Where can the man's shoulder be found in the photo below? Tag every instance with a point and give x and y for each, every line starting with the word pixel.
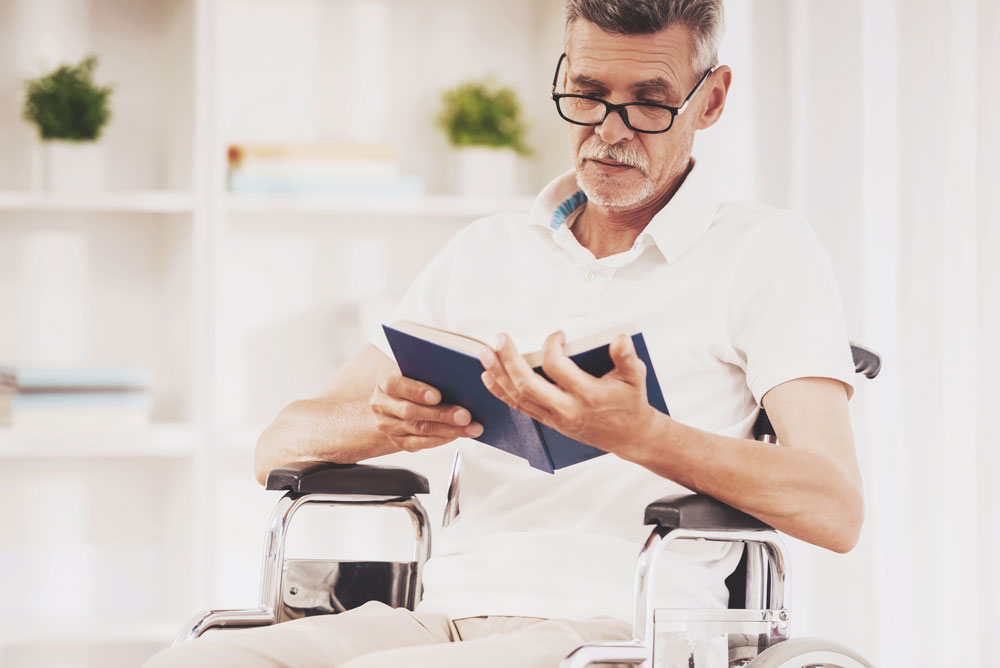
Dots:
pixel 760 226
pixel 763 240
pixel 752 215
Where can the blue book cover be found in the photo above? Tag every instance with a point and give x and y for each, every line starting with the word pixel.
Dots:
pixel 450 362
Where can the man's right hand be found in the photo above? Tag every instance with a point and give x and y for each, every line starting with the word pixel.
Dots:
pixel 407 412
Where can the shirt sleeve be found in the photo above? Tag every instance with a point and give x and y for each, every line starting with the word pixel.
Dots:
pixel 425 299
pixel 786 317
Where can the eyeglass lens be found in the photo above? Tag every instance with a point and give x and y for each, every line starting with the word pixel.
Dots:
pixel 640 117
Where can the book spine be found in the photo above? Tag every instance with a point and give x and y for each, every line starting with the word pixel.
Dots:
pixel 528 431
pixel 311 151
pixel 78 400
pixel 81 410
pixel 96 378
pixel 305 169
pixel 545 445
pixel 5 409
pixel 403 185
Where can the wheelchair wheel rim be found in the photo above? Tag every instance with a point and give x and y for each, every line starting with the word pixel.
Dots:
pixel 820 658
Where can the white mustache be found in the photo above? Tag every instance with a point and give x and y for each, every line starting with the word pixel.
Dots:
pixel 626 154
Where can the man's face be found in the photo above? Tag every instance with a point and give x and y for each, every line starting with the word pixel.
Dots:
pixel 617 167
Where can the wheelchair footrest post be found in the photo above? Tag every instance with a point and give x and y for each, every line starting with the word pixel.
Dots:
pixel 715 636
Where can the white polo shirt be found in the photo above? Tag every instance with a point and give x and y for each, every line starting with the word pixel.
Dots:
pixel 732 299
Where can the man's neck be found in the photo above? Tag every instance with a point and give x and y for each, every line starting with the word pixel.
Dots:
pixel 608 231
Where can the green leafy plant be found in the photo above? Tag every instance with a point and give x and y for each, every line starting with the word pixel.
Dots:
pixel 67 104
pixel 480 113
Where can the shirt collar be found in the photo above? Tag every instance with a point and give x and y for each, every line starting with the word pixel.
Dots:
pixel 674 229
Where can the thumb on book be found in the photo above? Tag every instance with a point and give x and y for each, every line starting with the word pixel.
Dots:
pixel 623 353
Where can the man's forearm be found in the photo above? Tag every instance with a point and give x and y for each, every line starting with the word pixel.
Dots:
pixel 317 429
pixel 799 492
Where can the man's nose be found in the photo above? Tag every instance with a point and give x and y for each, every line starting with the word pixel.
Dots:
pixel 613 129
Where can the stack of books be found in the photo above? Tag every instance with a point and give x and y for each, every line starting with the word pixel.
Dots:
pixel 326 167
pixel 81 398
pixel 8 388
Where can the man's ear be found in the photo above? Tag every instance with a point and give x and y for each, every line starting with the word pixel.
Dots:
pixel 717 88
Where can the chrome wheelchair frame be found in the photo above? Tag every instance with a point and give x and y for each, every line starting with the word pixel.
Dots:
pixel 757 634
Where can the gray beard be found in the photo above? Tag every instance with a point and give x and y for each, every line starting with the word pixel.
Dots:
pixel 619 199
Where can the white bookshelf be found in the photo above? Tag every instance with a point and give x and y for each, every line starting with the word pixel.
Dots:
pixel 149 201
pixel 155 441
pixel 236 304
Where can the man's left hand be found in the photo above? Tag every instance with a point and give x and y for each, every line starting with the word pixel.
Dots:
pixel 611 412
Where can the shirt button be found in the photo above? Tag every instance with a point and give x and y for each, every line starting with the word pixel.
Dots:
pixel 589 276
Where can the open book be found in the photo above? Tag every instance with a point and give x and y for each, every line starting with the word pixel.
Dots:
pixel 450 362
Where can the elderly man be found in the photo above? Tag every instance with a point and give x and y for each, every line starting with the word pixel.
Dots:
pixel 738 307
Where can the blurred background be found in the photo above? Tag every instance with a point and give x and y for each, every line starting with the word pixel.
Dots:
pixel 270 175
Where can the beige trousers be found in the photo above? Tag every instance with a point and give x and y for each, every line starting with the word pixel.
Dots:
pixel 377 636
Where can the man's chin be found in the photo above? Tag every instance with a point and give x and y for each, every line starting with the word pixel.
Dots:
pixel 619 192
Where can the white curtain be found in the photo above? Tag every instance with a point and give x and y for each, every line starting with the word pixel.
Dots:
pixel 879 120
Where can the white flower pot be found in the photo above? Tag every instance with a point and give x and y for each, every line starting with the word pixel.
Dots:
pixel 71 166
pixel 488 172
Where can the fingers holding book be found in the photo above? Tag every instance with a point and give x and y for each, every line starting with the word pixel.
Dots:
pixel 408 413
pixel 510 379
pixel 561 369
pixel 611 412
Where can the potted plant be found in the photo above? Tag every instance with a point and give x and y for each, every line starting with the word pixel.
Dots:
pixel 483 121
pixel 70 111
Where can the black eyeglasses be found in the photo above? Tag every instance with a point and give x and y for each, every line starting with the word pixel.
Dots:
pixel 647 117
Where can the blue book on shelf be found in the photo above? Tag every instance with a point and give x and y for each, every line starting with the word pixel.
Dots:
pixel 450 362
pixel 97 378
pixel 57 401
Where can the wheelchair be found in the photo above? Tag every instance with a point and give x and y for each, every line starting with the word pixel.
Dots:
pixel 752 633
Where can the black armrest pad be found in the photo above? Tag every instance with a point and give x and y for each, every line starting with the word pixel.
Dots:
pixel 697 511
pixel 762 426
pixel 327 478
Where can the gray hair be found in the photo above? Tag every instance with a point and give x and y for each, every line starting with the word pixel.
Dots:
pixel 704 18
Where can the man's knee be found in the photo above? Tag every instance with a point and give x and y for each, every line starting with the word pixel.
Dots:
pixel 327 640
